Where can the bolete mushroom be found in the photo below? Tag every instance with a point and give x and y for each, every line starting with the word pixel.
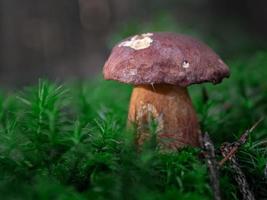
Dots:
pixel 161 66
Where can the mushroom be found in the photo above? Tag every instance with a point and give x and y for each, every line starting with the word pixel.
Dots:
pixel 161 66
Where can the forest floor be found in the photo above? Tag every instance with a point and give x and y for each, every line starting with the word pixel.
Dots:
pixel 69 141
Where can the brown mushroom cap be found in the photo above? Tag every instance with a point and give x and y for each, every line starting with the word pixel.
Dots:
pixel 168 58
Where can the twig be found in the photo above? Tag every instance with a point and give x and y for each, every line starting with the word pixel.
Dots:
pixel 239 176
pixel 265 171
pixel 212 164
pixel 242 140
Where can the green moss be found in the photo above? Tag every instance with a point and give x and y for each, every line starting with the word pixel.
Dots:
pixel 70 142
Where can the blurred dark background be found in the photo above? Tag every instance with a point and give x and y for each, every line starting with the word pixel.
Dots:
pixel 62 39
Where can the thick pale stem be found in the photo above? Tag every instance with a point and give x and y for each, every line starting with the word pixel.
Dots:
pixel 171 107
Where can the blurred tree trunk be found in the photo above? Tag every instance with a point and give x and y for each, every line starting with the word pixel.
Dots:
pixel 10 46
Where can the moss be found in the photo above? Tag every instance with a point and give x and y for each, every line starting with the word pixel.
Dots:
pixel 70 142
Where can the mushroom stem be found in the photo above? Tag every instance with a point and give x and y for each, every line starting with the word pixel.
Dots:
pixel 171 108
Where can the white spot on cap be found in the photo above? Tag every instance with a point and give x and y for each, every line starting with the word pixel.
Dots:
pixel 138 42
pixel 185 64
pixel 147 34
pixel 132 72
